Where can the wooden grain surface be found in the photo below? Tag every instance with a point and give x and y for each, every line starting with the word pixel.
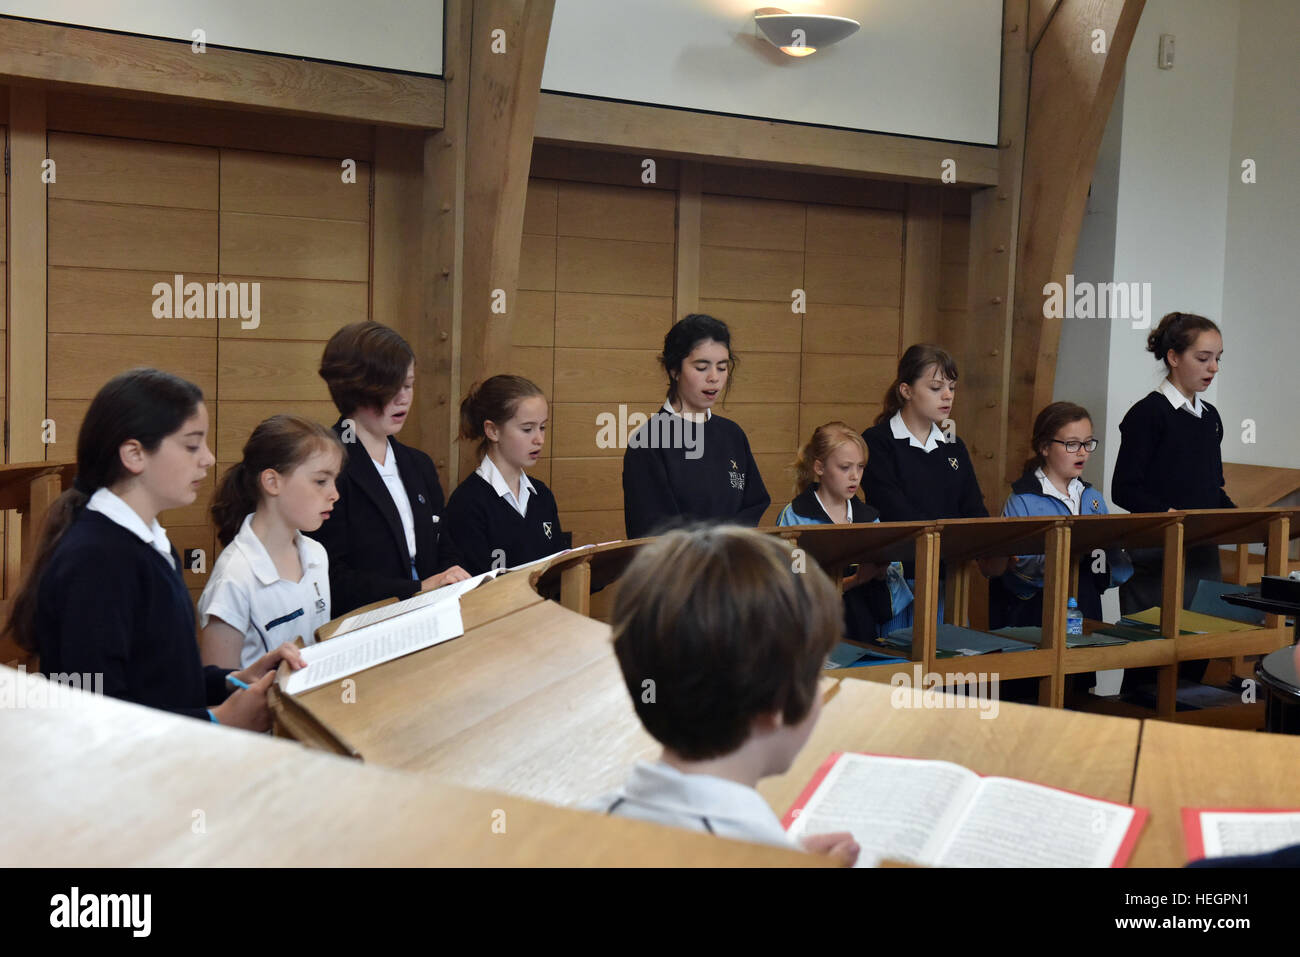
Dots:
pixel 99 782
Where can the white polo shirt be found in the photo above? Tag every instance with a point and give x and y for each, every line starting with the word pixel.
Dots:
pixel 900 431
pixel 660 793
pixel 1178 400
pixel 393 481
pixel 248 594
pixel 1072 500
pixel 489 472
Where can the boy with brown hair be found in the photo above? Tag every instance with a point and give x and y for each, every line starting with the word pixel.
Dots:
pixel 721 644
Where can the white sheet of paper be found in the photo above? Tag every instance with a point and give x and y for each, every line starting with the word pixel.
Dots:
pixel 422 600
pixel 376 643
pixel 1229 833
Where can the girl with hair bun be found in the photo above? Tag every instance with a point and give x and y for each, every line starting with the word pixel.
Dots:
pixel 828 474
pixel 271 583
pixel 686 464
pixel 1169 455
pixel 104 594
pixel 499 517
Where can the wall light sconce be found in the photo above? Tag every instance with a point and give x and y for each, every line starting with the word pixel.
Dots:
pixel 798 34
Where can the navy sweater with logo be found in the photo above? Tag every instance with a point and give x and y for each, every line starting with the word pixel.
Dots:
pixel 909 484
pixel 109 603
pixel 487 531
pixel 664 487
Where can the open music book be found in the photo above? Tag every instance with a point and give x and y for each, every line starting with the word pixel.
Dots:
pixel 1229 832
pixel 943 815
pixel 383 639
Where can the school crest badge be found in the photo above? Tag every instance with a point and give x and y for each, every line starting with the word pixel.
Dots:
pixel 546 529
pixel 1096 505
pixel 952 460
pixel 737 479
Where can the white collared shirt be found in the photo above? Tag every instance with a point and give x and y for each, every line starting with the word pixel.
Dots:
pixel 1072 501
pixel 660 793
pixel 668 407
pixel 393 480
pixel 487 469
pixel 848 517
pixel 245 591
pixel 112 506
pixel 901 431
pixel 1178 400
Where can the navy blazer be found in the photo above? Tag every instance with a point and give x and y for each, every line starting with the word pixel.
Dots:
pixel 364 536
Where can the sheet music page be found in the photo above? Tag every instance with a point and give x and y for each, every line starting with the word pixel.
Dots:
pixel 899 808
pixel 422 600
pixel 1229 833
pixel 1017 824
pixel 373 645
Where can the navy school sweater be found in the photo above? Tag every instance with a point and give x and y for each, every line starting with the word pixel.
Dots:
pixel 907 484
pixel 1168 458
pixel 677 471
pixel 480 522
pixel 108 603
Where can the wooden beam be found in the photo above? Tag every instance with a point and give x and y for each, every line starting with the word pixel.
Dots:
pixel 438 341
pixel 922 225
pixel 982 343
pixel 396 227
pixel 686 279
pixel 1070 96
pixel 1040 15
pixel 736 139
pixel 504 88
pixel 148 68
pixel 25 384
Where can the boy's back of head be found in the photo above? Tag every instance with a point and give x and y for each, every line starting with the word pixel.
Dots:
pixel 714 628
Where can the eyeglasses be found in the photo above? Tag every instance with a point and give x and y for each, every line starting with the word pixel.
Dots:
pixel 1074 445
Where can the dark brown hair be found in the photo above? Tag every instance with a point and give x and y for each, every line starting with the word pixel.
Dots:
pixel 825 440
pixel 725 628
pixel 143 404
pixel 364 365
pixel 683 337
pixel 495 400
pixel 912 366
pixel 1177 331
pixel 282 442
pixel 1051 420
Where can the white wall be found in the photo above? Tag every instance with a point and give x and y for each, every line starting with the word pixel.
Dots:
pixel 391 34
pixel 926 68
pixel 1172 198
pixel 1261 317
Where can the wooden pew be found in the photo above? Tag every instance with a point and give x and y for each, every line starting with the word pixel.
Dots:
pixel 101 783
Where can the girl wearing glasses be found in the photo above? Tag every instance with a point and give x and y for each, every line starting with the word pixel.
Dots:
pixel 1052 485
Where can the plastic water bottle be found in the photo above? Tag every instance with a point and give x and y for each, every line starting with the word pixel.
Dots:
pixel 1073 619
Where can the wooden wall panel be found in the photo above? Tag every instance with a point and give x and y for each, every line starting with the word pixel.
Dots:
pixel 127 213
pixel 602 265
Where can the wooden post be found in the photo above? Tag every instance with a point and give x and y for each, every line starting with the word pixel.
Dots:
pixel 926 599
pixel 1171 613
pixel 1056 576
pixel 575 587
pixel 1275 559
pixel 686 284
